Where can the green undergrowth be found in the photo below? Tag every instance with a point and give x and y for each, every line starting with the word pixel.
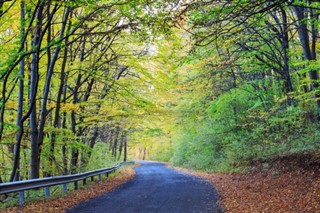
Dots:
pixel 234 131
pixel 234 156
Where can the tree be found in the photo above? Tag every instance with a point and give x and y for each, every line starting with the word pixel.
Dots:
pixel 307 17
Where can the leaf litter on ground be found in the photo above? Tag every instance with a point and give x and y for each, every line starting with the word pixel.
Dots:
pixel 283 184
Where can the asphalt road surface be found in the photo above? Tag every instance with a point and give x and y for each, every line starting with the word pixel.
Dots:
pixel 156 188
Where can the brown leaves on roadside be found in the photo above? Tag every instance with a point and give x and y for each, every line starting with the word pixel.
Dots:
pixel 289 184
pixel 60 204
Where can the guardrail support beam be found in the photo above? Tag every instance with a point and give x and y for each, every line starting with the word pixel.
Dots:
pixel 75 185
pixel 65 189
pixel 99 175
pixel 47 191
pixel 21 195
pixel 84 181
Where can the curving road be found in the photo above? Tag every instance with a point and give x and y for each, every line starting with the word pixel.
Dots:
pixel 156 188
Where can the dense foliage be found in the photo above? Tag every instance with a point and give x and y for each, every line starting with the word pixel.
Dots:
pixel 251 84
pixel 73 82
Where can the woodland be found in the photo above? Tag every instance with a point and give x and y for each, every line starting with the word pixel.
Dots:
pixel 209 85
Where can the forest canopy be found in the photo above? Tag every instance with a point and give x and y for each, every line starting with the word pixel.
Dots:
pixel 210 85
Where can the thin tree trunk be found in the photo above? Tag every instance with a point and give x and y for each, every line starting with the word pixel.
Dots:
pixel 74 151
pixel 125 149
pixel 121 145
pixel 92 142
pixel 46 89
pixel 56 121
pixel 115 142
pixel 64 126
pixel 58 103
pixel 285 58
pixel 144 153
pixel 81 130
pixel 111 136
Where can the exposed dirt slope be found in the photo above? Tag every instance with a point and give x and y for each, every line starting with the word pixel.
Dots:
pixel 283 184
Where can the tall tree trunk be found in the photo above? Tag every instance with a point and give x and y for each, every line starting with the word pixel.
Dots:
pixel 34 78
pixel 285 58
pixel 50 70
pixel 74 151
pixel 64 126
pixel 304 38
pixel 60 91
pixel 56 121
pixel 20 133
pixel 21 86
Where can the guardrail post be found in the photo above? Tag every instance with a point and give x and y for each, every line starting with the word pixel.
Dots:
pixel 107 174
pixel 84 181
pixel 99 175
pixel 65 189
pixel 21 193
pixel 75 185
pixel 47 191
pixel 92 178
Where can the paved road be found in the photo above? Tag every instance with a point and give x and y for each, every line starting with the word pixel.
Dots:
pixel 156 188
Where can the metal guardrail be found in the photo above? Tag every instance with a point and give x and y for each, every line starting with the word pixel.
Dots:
pixel 21 186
